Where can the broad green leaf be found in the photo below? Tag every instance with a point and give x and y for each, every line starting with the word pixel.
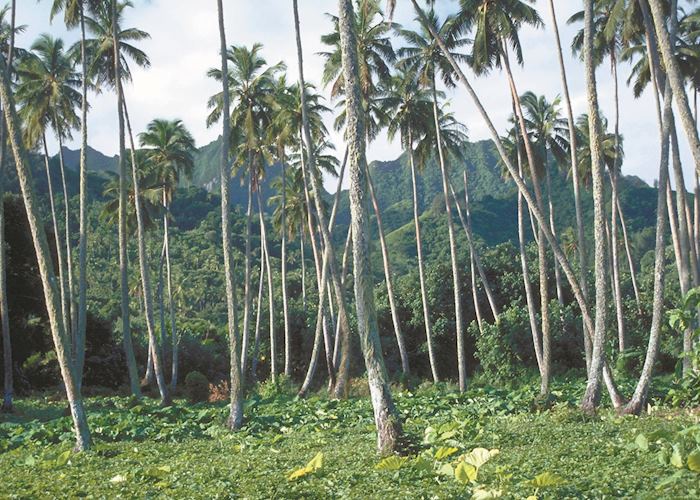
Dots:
pixel 694 461
pixel 315 464
pixel 484 494
pixel 676 458
pixel 465 473
pixel 391 463
pixel 546 480
pixel 63 458
pixel 444 452
pixel 642 442
pixel 479 456
pixel 446 470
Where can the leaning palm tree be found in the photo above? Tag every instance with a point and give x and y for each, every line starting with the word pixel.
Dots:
pixel 386 417
pixel 48 96
pixel 52 299
pixel 109 49
pixel 424 57
pixel 8 30
pixel 170 152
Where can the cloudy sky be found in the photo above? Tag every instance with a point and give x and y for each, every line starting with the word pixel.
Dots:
pixel 184 44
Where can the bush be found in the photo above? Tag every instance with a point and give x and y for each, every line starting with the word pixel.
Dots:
pixel 196 387
pixel 496 346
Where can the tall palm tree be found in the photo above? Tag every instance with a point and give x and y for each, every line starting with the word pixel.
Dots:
pixel 74 13
pixel 522 188
pixel 7 46
pixel 386 417
pixel 170 152
pixel 48 96
pixel 109 50
pixel 51 293
pixel 425 58
pixel 409 107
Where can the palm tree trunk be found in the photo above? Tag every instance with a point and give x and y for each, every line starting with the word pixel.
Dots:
pixel 421 266
pixel 475 294
pixel 329 255
pixel 46 270
pixel 161 302
pixel 65 314
pixel 123 236
pixel 69 252
pixel 258 316
pixel 615 263
pixel 285 305
pixel 235 420
pixel 665 41
pixel 553 228
pixel 247 291
pixel 175 338
pixel 459 320
pixel 615 396
pixel 580 238
pixel 270 290
pixel 628 251
pixel 83 223
pixel 386 417
pixel 8 372
pixel 145 270
pixel 400 341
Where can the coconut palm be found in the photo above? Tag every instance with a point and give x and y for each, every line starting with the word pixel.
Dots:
pixel 109 49
pixel 170 148
pixel 48 96
pixel 385 415
pixel 7 46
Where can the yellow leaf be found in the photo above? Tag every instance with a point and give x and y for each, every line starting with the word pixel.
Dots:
pixel 315 464
pixel 465 473
pixel 479 456
pixel 444 452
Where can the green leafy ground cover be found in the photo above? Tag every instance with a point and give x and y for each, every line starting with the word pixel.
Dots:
pixel 483 444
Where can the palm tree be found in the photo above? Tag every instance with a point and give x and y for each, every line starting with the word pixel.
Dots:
pixel 425 58
pixel 235 420
pixel 250 83
pixel 74 15
pixel 170 149
pixel 522 188
pixel 48 278
pixel 385 415
pixel 409 107
pixel 7 46
pixel 48 98
pixel 109 50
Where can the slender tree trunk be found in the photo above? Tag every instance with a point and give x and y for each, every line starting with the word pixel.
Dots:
pixel 580 238
pixel 459 318
pixel 258 315
pixel 285 305
pixel 63 282
pixel 270 290
pixel 421 266
pixel 475 294
pixel 329 255
pixel 46 270
pixel 70 299
pixel 628 251
pixel 553 228
pixel 403 353
pixel 615 263
pixel 145 270
pixel 247 291
pixel 161 305
pixel 592 394
pixel 175 338
pixel 123 236
pixel 386 417
pixel 81 331
pixel 615 396
pixel 235 420
pixel 303 269
pixel 8 372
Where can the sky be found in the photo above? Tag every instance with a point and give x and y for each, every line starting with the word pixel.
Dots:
pixel 184 44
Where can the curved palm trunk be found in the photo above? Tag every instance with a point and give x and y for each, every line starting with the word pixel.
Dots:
pixel 400 341
pixel 459 319
pixel 615 264
pixel 580 238
pixel 235 420
pixel 145 271
pixel 386 417
pixel 270 290
pixel 65 311
pixel 123 236
pixel 303 269
pixel 628 252
pixel 285 305
pixel 258 315
pixel 343 276
pixel 475 294
pixel 69 251
pixel 8 372
pixel 247 291
pixel 615 396
pixel 48 278
pixel 540 239
pixel 421 268
pixel 329 255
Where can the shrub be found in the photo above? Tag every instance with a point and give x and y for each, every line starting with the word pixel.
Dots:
pixel 196 387
pixel 496 346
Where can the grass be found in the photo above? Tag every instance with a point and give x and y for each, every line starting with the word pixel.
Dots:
pixel 142 450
